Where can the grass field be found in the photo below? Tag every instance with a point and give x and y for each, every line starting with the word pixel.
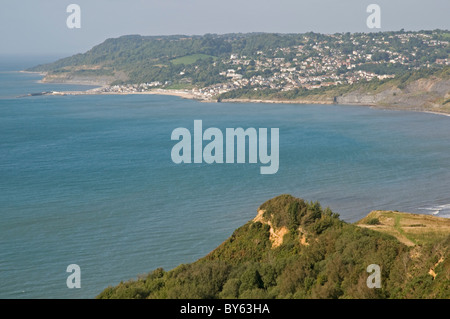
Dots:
pixel 179 86
pixel 410 229
pixel 189 59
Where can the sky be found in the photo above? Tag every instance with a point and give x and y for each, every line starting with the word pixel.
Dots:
pixel 38 27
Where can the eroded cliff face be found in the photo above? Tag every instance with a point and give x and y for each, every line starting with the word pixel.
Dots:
pixel 74 77
pixel 428 94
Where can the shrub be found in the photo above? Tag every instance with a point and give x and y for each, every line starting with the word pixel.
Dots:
pixel 373 221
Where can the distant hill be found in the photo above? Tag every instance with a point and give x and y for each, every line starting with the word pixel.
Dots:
pixel 387 69
pixel 135 59
pixel 297 249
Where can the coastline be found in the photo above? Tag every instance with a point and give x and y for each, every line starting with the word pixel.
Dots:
pixel 238 100
pixel 437 113
pixel 188 94
pixel 182 94
pixel 325 102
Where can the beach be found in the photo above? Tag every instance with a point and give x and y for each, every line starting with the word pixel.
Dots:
pixel 183 94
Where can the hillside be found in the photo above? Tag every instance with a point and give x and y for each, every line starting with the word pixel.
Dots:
pixel 387 69
pixel 296 249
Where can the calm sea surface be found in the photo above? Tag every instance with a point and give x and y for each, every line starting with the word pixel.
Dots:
pixel 89 180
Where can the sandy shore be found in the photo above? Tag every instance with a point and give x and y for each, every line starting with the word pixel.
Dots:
pixel 183 94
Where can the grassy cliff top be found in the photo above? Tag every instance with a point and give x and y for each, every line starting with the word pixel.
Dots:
pixel 410 229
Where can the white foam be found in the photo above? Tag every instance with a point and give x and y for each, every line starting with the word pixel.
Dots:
pixel 442 210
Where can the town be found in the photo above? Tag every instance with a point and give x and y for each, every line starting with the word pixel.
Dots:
pixel 210 67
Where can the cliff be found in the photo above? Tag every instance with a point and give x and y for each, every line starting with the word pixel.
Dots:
pixel 296 249
pixel 426 94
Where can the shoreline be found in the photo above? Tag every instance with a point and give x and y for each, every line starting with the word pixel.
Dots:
pixel 178 93
pixel 239 100
pixel 191 96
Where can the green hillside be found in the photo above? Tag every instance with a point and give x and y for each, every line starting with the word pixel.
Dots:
pixel 402 69
pixel 296 249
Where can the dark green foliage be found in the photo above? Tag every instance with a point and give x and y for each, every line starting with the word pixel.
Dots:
pixel 383 68
pixel 284 210
pixel 373 221
pixel 332 264
pixel 380 56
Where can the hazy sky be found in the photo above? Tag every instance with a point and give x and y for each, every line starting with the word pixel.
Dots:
pixel 38 27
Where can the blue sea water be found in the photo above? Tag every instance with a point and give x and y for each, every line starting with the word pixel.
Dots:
pixel 89 180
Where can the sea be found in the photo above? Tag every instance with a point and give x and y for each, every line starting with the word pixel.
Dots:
pixel 89 179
